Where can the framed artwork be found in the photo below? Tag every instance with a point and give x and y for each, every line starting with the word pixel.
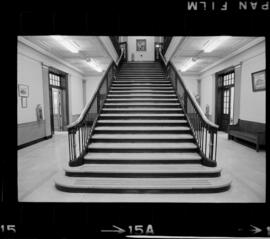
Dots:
pixel 23 90
pixel 24 102
pixel 258 80
pixel 141 45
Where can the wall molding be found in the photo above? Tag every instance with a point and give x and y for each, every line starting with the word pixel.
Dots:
pixel 48 54
pixel 237 52
pixel 173 47
pixel 107 44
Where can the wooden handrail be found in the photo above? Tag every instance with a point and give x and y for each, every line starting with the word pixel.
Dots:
pixel 90 102
pixel 192 98
pixel 198 108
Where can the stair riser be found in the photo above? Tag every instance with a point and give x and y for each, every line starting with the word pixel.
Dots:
pixel 157 111
pixel 142 140
pixel 154 92
pixel 153 191
pixel 142 124
pixel 141 106
pixel 141 97
pixel 165 117
pixel 145 161
pixel 141 101
pixel 130 150
pixel 142 131
pixel 142 175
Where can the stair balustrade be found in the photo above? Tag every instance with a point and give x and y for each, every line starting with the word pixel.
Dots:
pixel 204 131
pixel 81 130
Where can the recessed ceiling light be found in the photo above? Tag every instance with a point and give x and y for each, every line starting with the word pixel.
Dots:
pixel 215 42
pixel 189 63
pixel 91 62
pixel 68 44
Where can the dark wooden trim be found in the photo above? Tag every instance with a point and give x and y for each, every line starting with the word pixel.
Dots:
pixel 33 142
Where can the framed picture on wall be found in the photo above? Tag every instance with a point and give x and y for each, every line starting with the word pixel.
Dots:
pixel 141 45
pixel 258 80
pixel 23 90
pixel 24 102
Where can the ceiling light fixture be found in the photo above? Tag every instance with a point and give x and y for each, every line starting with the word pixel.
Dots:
pixel 215 42
pixel 191 62
pixel 91 62
pixel 68 44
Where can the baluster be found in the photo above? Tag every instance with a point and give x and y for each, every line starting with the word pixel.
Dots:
pixel 205 141
pixel 216 147
pixel 211 146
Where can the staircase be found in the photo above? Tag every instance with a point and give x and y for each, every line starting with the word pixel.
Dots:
pixel 142 142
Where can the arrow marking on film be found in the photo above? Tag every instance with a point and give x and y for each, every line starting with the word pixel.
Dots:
pixel 255 230
pixel 117 229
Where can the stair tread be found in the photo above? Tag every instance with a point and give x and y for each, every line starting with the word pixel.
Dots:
pixel 141 128
pixel 142 156
pixel 142 136
pixel 142 109
pixel 144 168
pixel 141 121
pixel 141 183
pixel 129 99
pixel 141 114
pixel 142 145
pixel 142 103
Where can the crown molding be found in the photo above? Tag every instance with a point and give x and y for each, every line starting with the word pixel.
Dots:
pixel 48 54
pixel 240 50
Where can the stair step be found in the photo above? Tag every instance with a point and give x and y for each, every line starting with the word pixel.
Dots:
pixel 128 121
pixel 141 100
pixel 120 82
pixel 141 115
pixel 143 157
pixel 115 84
pixel 142 104
pixel 142 170
pixel 142 146
pixel 143 136
pixel 141 185
pixel 168 88
pixel 142 109
pixel 141 95
pixel 142 128
pixel 142 91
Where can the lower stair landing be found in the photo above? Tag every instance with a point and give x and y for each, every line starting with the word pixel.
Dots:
pixel 142 185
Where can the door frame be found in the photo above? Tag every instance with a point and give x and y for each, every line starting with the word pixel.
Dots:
pixel 217 75
pixel 64 90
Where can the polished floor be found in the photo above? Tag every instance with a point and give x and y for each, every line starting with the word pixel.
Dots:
pixel 39 164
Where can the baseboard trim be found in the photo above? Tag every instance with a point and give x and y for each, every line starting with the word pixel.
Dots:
pixel 33 142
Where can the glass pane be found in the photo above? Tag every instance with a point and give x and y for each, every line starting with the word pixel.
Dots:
pixel 231 106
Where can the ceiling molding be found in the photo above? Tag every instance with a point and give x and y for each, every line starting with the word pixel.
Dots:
pixel 173 47
pixel 48 54
pixel 240 50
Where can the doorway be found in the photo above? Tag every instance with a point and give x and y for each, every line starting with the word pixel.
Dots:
pixel 58 102
pixel 225 99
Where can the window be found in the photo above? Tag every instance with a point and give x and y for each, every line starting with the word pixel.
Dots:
pixel 226 101
pixel 54 80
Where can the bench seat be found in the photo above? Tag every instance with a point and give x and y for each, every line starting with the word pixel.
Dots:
pixel 253 132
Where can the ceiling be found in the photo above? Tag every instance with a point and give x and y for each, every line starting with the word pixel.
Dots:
pixel 90 46
pixel 193 46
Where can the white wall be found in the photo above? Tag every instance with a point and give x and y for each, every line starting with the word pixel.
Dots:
pixel 191 83
pixel 76 91
pixel 148 55
pixel 91 86
pixel 29 72
pixel 252 104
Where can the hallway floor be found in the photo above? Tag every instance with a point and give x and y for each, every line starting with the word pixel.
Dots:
pixel 38 165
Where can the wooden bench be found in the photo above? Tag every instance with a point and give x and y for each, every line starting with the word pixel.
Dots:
pixel 253 132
